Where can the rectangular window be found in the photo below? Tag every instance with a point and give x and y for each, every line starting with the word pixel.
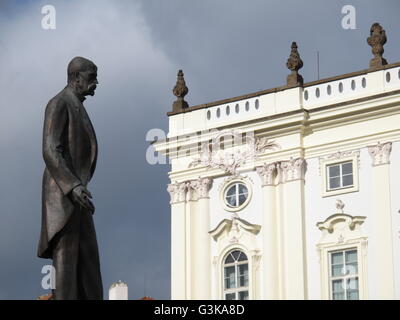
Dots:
pixel 344 275
pixel 340 175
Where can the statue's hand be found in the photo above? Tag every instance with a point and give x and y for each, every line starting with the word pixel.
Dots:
pixel 81 196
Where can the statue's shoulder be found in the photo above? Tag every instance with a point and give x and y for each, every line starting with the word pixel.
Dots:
pixel 59 101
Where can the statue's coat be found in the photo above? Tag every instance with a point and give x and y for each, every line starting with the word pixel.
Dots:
pixel 70 154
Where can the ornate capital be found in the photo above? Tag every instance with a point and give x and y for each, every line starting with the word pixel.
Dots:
pixel 380 153
pixel 294 63
pixel 177 191
pixel 267 173
pixel 293 169
pixel 180 91
pixel 376 40
pixel 199 188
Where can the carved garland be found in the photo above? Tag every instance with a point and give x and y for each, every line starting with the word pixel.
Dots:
pixel 230 161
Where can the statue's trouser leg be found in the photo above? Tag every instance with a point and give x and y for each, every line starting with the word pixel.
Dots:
pixel 65 259
pixel 90 285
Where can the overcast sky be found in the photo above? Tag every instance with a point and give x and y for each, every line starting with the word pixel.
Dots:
pixel 226 48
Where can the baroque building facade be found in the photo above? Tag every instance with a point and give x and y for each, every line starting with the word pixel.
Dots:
pixel 291 192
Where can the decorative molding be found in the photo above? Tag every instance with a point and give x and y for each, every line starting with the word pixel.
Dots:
pixel 294 63
pixel 199 189
pixel 233 228
pixel 340 155
pixel 255 259
pixel 180 91
pixel 267 173
pixel 177 191
pixel 339 205
pixel 213 156
pixel 380 153
pixel 376 40
pixel 329 225
pixel 291 170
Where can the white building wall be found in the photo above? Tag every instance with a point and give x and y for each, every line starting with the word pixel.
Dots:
pixel 327 135
pixel 319 208
pixel 395 196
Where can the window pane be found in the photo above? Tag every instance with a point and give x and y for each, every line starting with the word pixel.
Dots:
pixel 352 289
pixel 352 284
pixel 243 275
pixel 347 168
pixel 337 258
pixel 352 268
pixel 230 277
pixel 242 198
pixel 351 256
pixel 337 264
pixel 231 191
pixel 352 295
pixel 243 295
pixel 231 200
pixel 229 259
pixel 230 296
pixel 338 296
pixel 236 254
pixel 337 270
pixel 242 257
pixel 242 189
pixel 348 180
pixel 337 290
pixel 334 183
pixel 334 171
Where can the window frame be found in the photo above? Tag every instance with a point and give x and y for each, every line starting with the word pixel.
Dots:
pixel 324 257
pixel 326 163
pixel 342 277
pixel 236 290
pixel 227 186
pixel 236 194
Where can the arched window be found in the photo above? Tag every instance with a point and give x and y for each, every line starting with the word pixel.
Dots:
pixel 236 276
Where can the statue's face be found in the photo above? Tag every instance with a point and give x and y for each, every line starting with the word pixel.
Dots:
pixel 88 82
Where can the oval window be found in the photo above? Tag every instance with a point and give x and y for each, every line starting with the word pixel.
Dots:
pixel 387 76
pixel 236 195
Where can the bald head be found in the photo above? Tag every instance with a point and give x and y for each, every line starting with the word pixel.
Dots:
pixel 79 64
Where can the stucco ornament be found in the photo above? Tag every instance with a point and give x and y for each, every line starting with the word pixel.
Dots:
pixel 380 153
pixel 217 155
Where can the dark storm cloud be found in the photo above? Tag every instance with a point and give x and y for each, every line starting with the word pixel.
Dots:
pixel 226 48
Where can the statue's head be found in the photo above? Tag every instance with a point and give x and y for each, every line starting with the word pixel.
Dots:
pixel 82 76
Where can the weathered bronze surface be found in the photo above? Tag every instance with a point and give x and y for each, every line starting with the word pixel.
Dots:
pixel 70 152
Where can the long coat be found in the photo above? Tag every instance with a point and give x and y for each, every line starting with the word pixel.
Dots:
pixel 70 154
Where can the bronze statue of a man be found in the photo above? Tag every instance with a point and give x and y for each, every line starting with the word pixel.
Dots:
pixel 70 152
